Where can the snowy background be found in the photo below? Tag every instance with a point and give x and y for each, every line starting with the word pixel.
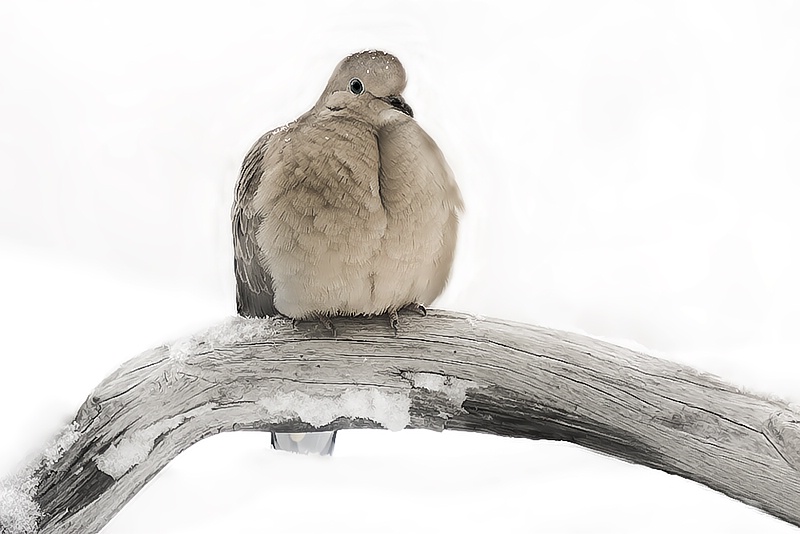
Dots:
pixel 630 171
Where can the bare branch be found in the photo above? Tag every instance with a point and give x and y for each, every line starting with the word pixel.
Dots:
pixel 445 371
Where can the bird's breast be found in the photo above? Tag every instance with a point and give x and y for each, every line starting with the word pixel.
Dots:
pixel 422 201
pixel 323 220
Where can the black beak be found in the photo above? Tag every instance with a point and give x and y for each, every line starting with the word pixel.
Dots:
pixel 397 102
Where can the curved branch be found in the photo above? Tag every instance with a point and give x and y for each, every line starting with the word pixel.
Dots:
pixel 446 371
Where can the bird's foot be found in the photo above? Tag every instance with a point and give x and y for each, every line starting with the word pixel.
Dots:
pixel 416 307
pixel 326 322
pixel 394 320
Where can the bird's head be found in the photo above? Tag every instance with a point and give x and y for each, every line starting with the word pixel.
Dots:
pixel 369 83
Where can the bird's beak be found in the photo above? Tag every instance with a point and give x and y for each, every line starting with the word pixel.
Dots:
pixel 397 102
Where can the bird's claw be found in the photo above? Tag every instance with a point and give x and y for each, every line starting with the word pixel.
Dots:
pixel 394 320
pixel 418 308
pixel 327 323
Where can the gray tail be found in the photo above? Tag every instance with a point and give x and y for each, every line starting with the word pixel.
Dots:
pixel 311 443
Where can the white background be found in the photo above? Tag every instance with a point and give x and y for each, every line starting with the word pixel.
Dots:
pixel 630 171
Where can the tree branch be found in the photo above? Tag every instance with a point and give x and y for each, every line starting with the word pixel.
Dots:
pixel 446 371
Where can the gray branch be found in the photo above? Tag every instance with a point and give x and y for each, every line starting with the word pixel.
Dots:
pixel 447 371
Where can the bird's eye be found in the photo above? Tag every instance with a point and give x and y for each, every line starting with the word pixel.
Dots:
pixel 356 86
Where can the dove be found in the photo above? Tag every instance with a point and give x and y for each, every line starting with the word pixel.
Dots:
pixel 351 209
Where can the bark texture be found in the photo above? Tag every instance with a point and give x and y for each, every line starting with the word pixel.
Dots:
pixel 447 371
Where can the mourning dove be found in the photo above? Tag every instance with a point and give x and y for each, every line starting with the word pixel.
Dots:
pixel 349 210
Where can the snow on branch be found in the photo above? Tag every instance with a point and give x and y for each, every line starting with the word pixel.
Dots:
pixel 444 371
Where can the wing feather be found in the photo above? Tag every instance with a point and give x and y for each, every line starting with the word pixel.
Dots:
pixel 255 296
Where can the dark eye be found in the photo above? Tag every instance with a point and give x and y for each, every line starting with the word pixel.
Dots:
pixel 356 87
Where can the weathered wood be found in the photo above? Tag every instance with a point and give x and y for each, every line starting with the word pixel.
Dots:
pixel 444 371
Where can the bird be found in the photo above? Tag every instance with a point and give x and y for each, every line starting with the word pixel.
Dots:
pixel 351 209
